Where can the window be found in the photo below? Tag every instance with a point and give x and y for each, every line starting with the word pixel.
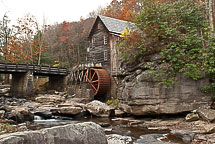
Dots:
pixel 105 55
pixel 105 40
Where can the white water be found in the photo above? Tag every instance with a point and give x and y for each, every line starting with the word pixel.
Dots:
pixel 37 117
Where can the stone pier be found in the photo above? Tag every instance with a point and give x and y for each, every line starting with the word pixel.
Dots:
pixel 57 83
pixel 22 84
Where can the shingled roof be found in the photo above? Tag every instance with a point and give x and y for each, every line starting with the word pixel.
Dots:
pixel 113 25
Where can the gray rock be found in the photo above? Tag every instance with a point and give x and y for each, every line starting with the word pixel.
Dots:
pixel 143 96
pixel 20 114
pixel 50 99
pixel 47 114
pixel 192 117
pixel 99 109
pixel 70 110
pixel 2 113
pixel 184 135
pixel 118 139
pixel 46 111
pixel 206 114
pixel 209 128
pixel 212 140
pixel 71 102
pixel 119 113
pixel 82 133
pixel 4 90
pixel 151 139
pixel 32 105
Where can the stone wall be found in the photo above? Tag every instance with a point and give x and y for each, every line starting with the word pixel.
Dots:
pixel 140 95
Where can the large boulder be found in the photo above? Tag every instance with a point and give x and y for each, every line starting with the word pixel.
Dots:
pixel 99 109
pixel 82 133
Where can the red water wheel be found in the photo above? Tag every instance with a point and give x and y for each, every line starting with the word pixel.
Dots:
pixel 99 80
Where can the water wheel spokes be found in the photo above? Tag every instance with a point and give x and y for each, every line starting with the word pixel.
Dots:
pixel 98 79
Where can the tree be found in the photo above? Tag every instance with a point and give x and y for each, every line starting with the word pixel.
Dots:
pixel 5 32
pixel 128 12
pixel 67 42
pixel 180 33
pixel 124 9
pixel 24 44
pixel 64 42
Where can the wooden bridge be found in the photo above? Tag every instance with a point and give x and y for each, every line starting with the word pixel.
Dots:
pixel 22 83
pixel 35 69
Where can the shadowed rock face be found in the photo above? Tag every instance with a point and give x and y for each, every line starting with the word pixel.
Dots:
pixel 140 94
pixel 83 133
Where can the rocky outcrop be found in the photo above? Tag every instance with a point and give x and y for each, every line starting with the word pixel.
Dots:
pixel 140 94
pixel 50 99
pixel 99 109
pixel 83 133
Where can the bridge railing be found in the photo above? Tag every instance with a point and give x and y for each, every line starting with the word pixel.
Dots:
pixel 38 69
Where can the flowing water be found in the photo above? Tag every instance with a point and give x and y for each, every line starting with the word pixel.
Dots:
pixel 110 126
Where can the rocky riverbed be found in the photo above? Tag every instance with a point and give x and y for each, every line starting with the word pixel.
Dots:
pixel 17 115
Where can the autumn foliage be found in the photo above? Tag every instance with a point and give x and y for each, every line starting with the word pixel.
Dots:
pixel 124 10
pixel 25 43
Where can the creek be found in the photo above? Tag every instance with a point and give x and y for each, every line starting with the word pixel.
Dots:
pixel 110 125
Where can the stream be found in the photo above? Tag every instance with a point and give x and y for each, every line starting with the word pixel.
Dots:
pixel 111 126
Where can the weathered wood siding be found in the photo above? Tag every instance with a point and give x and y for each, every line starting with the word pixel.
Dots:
pixel 99 50
pixel 114 54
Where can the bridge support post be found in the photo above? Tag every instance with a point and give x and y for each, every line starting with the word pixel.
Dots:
pixel 22 84
pixel 57 83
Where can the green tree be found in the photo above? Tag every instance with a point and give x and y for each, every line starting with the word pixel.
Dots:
pixel 180 33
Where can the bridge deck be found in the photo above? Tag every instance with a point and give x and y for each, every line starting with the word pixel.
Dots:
pixel 36 69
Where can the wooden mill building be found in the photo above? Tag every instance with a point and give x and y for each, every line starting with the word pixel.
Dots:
pixel 103 59
pixel 103 38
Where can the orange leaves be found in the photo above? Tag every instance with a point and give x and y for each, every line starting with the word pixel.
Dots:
pixel 124 9
pixel 26 43
pixel 133 39
pixel 127 13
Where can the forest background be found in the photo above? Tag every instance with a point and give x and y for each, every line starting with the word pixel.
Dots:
pixel 61 44
pixel 65 44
